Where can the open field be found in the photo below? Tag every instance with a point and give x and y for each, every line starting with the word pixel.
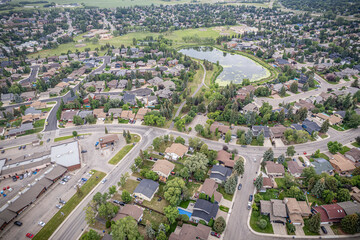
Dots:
pixel 127 40
pixel 121 154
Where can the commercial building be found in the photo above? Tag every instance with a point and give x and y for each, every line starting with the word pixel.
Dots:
pixel 66 155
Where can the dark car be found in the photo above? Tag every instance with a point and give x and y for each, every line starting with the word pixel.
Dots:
pixel 19 147
pixel 24 147
pixel 21 176
pixel 3 151
pixel 83 151
pixel 250 198
pixel 215 234
pixel 65 180
pixel 139 179
pixel 240 186
pixel 161 154
pixel 14 178
pixel 323 229
pixel 18 223
pixel 48 140
pixel 159 199
pixel 62 202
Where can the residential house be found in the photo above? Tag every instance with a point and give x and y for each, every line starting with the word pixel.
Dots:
pixel 251 107
pixel 209 187
pixel 281 62
pixel 331 213
pixel 27 96
pixel 304 104
pixel 62 85
pixel 204 210
pixel 100 114
pixel 296 210
pixel 7 97
pixel 20 130
pixel 30 118
pixel 350 207
pixel 38 105
pixel 220 173
pixel 224 157
pixel 310 126
pixel 176 151
pixel 355 194
pixel 32 110
pixel 156 81
pixel 267 183
pixel 163 168
pixel 353 155
pixel 275 209
pixel 333 119
pixel 322 165
pixel 112 84
pixel 191 232
pixel 127 115
pixel 129 98
pixel 220 127
pixel 85 113
pixel 141 113
pixel 296 127
pixel 146 189
pixel 115 112
pixel 294 168
pixel 133 211
pixel 274 169
pixel 68 115
pixel 257 130
pixel 277 131
pixel 341 164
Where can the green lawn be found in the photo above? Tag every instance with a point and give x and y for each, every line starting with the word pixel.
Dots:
pixel 193 187
pixel 223 208
pixel 270 194
pixel 355 144
pixel 68 137
pixel 344 149
pixel 49 103
pixel 57 219
pixel 46 109
pixel 185 204
pixel 148 164
pixel 323 136
pixel 324 156
pixel 255 217
pixel 313 199
pixel 336 227
pixel 130 185
pixel 121 154
pixel 340 127
pixel 280 182
pixel 155 204
pixel 154 218
pixel 39 123
pixel 221 190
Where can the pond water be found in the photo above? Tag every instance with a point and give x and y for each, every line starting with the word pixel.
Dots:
pixel 235 67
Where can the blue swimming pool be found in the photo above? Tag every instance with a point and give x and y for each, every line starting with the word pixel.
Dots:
pixel 182 211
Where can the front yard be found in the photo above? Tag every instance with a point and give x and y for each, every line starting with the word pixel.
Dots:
pixel 307 231
pixel 130 185
pixel 255 218
pixel 221 190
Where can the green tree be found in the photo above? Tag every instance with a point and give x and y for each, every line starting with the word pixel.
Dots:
pixel 219 225
pixel 313 223
pixel 260 139
pixel 150 232
pixel 180 140
pixel 90 214
pixel 290 151
pixel 171 212
pixel 123 178
pixel 197 162
pixel 328 196
pixel 282 92
pixel 228 136
pixel 91 235
pixel 230 184
pixel 112 190
pixel 107 210
pixel 294 87
pixel 262 223
pixel 259 182
pixel 343 195
pixel 125 196
pixel 281 159
pixel 173 190
pixel 269 155
pixel 248 137
pixel 318 187
pixel 77 120
pixel 74 133
pixel 161 236
pixel 239 167
pixel 106 131
pixel 325 126
pixel 351 223
pixel 126 228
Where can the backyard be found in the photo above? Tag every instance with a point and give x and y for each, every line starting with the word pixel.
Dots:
pixel 154 218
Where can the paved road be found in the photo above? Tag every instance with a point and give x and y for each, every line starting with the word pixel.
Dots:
pixel 32 76
pixel 196 91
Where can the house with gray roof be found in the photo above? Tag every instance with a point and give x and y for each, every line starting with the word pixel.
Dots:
pixel 115 112
pixel 146 189
pixel 204 210
pixel 256 130
pixel 220 173
pixel 350 207
pixel 129 98
pixel 32 110
pixel 310 126
pixel 274 208
pixel 21 130
pixel 83 114
pixel 7 97
pixel 322 165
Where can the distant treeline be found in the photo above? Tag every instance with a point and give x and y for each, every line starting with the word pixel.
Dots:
pixel 28 2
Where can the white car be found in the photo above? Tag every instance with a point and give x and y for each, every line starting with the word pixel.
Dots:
pixel 104 180
pixel 58 206
pixel 254 159
pixel 41 224
pixel 62 182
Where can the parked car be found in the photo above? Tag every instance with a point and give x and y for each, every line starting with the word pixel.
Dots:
pixel 62 182
pixel 58 206
pixel 240 186
pixel 29 235
pixel 215 234
pixel 19 147
pixel 159 199
pixel 62 202
pixel 3 151
pixel 41 224
pixel 250 198
pixel 21 176
pixel 24 147
pixel 67 177
pixel 323 229
pixel 83 151
pixel 119 202
pixel 18 223
pixel 249 206
pixel 48 140
pixel 139 179
pixel 161 154
pixel 278 221
pixel 104 180
pixel 84 179
pixel 65 180
pixel 14 178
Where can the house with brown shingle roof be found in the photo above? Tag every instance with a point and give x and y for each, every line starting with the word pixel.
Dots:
pixel 163 168
pixel 277 131
pixel 127 114
pixel 209 188
pixel 68 115
pixel 296 211
pixel 190 232
pixel 274 169
pixel 341 164
pixel 38 105
pixel 304 104
pixel 333 119
pixel 129 210
pixel 99 113
pixel 141 113
pixel 294 168
pixel 275 208
pixel 353 155
pixel 220 127
pixel 176 151
pixel 225 158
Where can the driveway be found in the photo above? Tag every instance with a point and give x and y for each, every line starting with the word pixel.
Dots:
pixel 222 214
pixel 267 143
pixel 279 228
pixel 279 143
pixel 328 228
pixel 225 203
pixel 299 230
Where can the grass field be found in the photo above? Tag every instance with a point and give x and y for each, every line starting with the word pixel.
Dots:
pixel 127 40
pixel 121 154
pixel 67 137
pixel 57 219
pixel 130 185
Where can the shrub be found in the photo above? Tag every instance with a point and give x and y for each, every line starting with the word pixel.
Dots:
pixel 262 223
pixel 108 224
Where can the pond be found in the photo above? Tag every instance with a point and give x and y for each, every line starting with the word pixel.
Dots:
pixel 235 67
